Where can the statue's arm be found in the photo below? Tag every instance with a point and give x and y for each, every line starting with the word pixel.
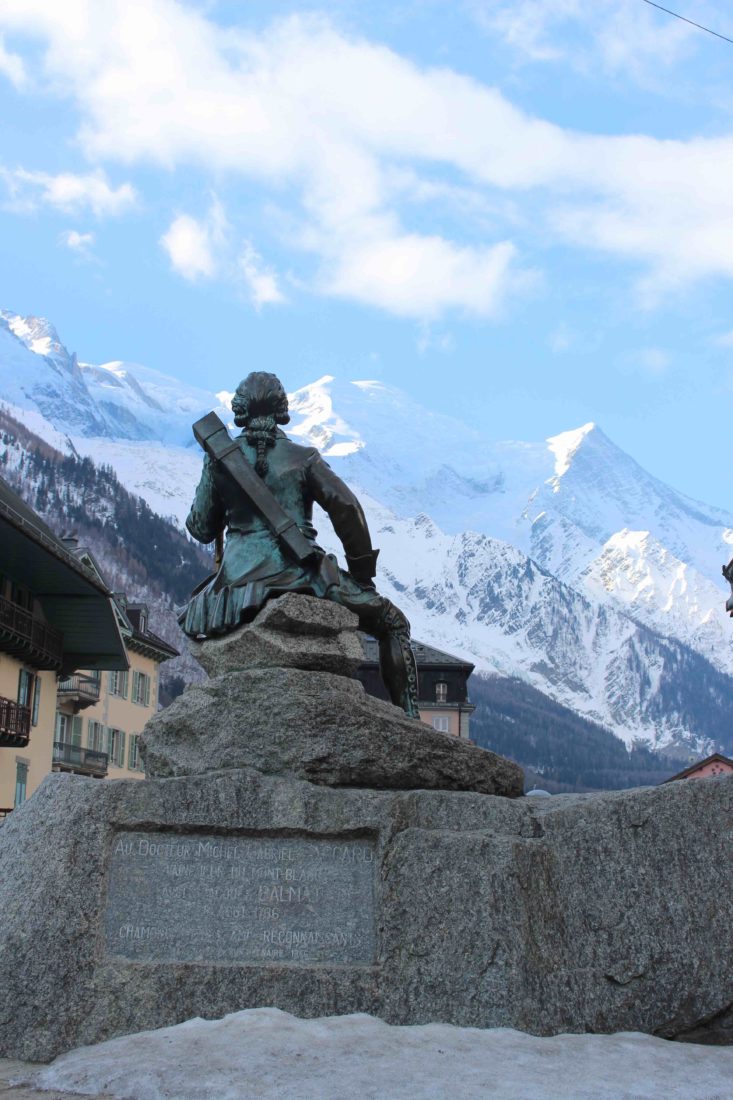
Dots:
pixel 347 516
pixel 206 518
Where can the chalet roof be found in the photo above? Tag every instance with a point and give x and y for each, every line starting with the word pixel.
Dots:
pixel 73 599
pixel 425 655
pixel 716 757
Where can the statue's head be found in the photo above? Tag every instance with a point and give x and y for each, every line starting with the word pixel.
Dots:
pixel 260 395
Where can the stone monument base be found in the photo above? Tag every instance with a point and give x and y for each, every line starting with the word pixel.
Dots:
pixel 284 851
pixel 134 905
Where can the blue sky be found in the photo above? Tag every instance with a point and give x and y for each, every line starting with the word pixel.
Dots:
pixel 520 211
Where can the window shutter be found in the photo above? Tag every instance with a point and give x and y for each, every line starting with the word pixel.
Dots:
pixel 76 730
pixel 121 749
pixel 147 691
pixel 25 679
pixel 123 686
pixel 36 699
pixel 21 783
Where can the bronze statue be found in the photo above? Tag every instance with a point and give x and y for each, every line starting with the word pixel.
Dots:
pixel 260 489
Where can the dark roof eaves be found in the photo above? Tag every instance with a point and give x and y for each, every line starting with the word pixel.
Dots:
pixel 49 542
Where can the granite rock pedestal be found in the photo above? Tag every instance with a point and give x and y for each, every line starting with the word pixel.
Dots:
pixel 281 699
pixel 301 869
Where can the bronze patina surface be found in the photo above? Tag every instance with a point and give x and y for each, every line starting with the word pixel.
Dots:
pixel 257 562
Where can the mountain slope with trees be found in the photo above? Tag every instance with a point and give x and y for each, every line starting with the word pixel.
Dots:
pixel 140 553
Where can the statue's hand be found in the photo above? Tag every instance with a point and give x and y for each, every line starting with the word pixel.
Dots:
pixel 363 569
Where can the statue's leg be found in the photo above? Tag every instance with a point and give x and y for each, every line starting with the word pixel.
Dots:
pixel 396 659
pixel 379 617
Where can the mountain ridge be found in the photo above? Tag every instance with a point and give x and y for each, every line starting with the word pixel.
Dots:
pixel 510 553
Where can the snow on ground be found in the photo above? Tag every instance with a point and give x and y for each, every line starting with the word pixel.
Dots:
pixel 266 1054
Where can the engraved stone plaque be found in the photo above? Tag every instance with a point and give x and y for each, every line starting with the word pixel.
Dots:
pixel 240 899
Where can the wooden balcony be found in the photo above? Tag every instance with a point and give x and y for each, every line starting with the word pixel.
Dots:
pixel 73 758
pixel 15 724
pixel 27 637
pixel 79 689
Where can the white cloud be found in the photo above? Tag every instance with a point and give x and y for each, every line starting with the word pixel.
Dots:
pixel 621 36
pixel 67 192
pixel 420 277
pixel 261 283
pixel 341 123
pixel 725 340
pixel 189 245
pixel 204 249
pixel 12 67
pixel 81 243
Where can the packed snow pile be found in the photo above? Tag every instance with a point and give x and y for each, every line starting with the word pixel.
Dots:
pixel 269 1055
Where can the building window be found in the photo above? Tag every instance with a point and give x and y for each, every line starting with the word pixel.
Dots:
pixel 21 782
pixel 25 687
pixel 134 762
pixel 118 684
pixel 441 692
pixel 116 747
pixel 442 722
pixel 63 723
pixel 141 688
pixel 95 736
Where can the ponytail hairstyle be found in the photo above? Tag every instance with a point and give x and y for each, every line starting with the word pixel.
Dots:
pixel 259 405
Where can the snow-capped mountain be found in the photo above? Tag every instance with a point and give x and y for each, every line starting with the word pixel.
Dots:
pixel 115 400
pixel 561 561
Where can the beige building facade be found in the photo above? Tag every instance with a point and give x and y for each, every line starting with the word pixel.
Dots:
pixel 100 715
pixel 57 616
pixel 27 706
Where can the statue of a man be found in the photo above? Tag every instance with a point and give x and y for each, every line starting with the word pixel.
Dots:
pixel 255 564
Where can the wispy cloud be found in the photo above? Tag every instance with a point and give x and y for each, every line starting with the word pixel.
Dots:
pixel 337 124
pixel 561 339
pixel 261 282
pixel 80 243
pixel 12 67
pixel 620 36
pixel 654 361
pixel 67 192
pixel 207 248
